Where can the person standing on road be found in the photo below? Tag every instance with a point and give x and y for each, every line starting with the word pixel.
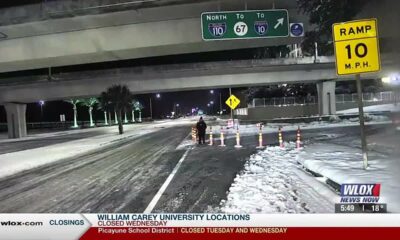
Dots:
pixel 201 130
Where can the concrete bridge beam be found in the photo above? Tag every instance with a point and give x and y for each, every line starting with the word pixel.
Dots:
pixel 16 119
pixel 326 97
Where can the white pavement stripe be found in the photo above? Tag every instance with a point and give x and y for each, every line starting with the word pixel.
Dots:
pixel 160 192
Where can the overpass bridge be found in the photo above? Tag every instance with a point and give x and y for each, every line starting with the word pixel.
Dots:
pixel 179 77
pixel 134 33
pixel 54 33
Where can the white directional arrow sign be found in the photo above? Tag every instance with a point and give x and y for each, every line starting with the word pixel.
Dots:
pixel 280 22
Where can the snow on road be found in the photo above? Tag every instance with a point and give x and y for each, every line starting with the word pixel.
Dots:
pixel 270 183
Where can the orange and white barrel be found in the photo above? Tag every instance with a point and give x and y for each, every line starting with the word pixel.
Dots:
pixel 298 140
pixel 194 134
pixel 238 138
pixel 211 137
pixel 222 138
pixel 280 138
pixel 260 138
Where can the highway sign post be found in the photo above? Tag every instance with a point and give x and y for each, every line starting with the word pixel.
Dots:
pixel 357 51
pixel 232 103
pixel 245 24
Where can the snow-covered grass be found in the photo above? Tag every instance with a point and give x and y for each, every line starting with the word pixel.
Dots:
pixel 23 160
pixel 343 164
pixel 375 108
pixel 42 135
pixel 12 163
pixel 269 184
pixel 104 129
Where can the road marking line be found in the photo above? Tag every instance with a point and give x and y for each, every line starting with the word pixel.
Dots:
pixel 160 192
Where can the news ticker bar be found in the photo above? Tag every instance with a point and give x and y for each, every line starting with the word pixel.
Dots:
pixel 360 208
pixel 193 226
pixel 249 233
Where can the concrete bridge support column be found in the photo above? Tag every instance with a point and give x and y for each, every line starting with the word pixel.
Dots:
pixel 16 120
pixel 326 97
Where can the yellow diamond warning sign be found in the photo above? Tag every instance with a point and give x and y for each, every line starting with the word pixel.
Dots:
pixel 356 47
pixel 232 101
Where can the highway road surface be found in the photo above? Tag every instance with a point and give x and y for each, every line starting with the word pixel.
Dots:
pixel 125 176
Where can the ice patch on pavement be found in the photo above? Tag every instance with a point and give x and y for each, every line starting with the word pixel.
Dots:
pixel 185 144
pixel 326 136
pixel 267 184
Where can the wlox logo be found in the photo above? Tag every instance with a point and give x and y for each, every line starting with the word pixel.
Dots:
pixel 360 193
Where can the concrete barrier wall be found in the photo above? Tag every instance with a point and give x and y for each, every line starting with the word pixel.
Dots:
pixel 270 112
pixel 350 105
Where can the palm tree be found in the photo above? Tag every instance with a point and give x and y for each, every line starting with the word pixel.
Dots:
pixel 125 116
pixel 133 102
pixel 133 115
pixel 90 102
pixel 75 103
pixel 118 97
pixel 106 107
pixel 115 117
pixel 137 106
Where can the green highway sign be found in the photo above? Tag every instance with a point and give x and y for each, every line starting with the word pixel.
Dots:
pixel 245 24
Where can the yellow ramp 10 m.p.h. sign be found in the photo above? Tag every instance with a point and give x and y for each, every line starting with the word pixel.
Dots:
pixel 356 47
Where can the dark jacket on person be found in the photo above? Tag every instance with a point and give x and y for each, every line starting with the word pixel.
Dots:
pixel 201 127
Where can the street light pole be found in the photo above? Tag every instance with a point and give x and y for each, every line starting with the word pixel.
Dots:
pixel 41 112
pixel 151 109
pixel 41 103
pixel 230 94
pixel 177 109
pixel 151 104
pixel 220 103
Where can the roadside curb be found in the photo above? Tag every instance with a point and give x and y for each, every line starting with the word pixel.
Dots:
pixel 334 185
